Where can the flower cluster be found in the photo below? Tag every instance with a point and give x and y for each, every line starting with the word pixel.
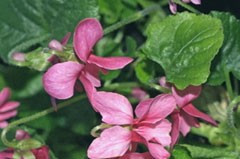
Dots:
pixel 7 108
pixel 38 153
pixel 173 6
pixel 156 123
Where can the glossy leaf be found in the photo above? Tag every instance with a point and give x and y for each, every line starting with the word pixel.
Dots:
pixel 184 45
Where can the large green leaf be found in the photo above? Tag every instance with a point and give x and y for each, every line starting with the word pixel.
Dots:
pixel 184 45
pixel 198 152
pixel 228 58
pixel 24 23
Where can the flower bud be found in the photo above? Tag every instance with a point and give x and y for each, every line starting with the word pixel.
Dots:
pixel 55 45
pixel 18 56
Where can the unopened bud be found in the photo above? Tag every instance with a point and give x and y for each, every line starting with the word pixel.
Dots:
pixel 18 56
pixel 55 45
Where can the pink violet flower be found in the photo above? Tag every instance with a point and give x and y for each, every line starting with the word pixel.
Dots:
pixel 139 94
pixel 173 6
pixel 185 116
pixel 39 153
pixel 7 108
pixel 149 127
pixel 60 79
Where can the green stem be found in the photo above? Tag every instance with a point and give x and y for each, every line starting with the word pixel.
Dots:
pixel 187 6
pixel 131 19
pixel 33 117
pixel 228 84
pixel 159 88
pixel 230 115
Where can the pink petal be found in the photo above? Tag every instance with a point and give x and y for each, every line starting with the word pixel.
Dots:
pixel 3 124
pixel 175 128
pixel 163 82
pixel 41 153
pixel 9 106
pixel 191 110
pixel 197 2
pixel 4 95
pixel 89 88
pixel 21 134
pixel 91 72
pixel 65 39
pixel 113 142
pixel 184 128
pixel 160 108
pixel 86 34
pixel 6 154
pixel 187 95
pixel 186 1
pixel 158 132
pixel 143 107
pixel 173 7
pixel 145 155
pixel 7 115
pixel 55 45
pixel 60 79
pixel 139 94
pixel 158 151
pixel 110 63
pixel 114 108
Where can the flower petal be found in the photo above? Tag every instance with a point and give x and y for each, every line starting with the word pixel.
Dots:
pixel 86 34
pixel 21 134
pixel 3 124
pixel 113 142
pixel 9 106
pixel 65 39
pixel 187 95
pixel 55 45
pixel 197 2
pixel 175 128
pixel 158 151
pixel 191 110
pixel 143 107
pixel 91 72
pixel 172 7
pixel 163 82
pixel 60 79
pixel 89 89
pixel 158 132
pixel 184 127
pixel 110 63
pixel 7 115
pixel 4 95
pixel 114 108
pixel 135 155
pixel 160 108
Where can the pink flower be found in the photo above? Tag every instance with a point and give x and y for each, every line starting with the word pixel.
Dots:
pixel 173 6
pixel 7 108
pixel 149 127
pixel 185 116
pixel 39 153
pixel 60 79
pixel 139 94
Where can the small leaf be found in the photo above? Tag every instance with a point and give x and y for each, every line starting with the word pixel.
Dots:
pixel 180 153
pixel 184 45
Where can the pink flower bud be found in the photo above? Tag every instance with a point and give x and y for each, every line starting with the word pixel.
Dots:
pixel 55 45
pixel 18 56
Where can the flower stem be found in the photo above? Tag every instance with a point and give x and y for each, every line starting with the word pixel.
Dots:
pixel 228 84
pixel 187 6
pixel 33 117
pixel 230 115
pixel 131 19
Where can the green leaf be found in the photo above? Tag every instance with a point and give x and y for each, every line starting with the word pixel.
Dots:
pixel 184 45
pixel 145 71
pixel 180 153
pixel 30 22
pixel 228 57
pixel 210 152
pixel 24 155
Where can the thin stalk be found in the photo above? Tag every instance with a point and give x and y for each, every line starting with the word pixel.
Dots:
pixel 187 6
pixel 34 117
pixel 131 19
pixel 228 84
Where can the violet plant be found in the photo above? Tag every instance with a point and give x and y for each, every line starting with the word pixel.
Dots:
pixel 158 83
